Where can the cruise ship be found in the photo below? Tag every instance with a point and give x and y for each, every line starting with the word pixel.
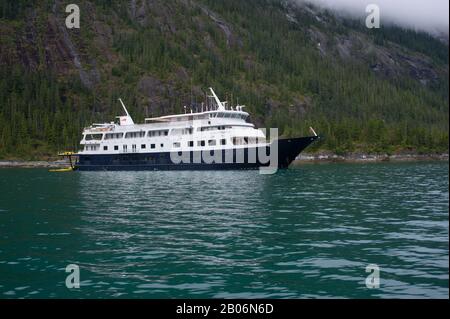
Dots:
pixel 215 136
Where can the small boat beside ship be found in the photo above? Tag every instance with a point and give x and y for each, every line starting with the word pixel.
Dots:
pixel 214 137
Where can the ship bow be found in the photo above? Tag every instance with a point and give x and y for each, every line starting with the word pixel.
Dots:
pixel 290 148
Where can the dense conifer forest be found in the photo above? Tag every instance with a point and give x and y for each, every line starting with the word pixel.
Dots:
pixel 373 91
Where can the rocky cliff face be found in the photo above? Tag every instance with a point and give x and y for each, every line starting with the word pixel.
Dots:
pixel 90 53
pixel 350 45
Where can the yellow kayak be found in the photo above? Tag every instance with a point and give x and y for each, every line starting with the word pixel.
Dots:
pixel 67 169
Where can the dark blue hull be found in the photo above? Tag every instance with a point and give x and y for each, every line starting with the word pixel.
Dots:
pixel 288 149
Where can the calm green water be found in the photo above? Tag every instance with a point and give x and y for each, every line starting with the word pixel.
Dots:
pixel 307 232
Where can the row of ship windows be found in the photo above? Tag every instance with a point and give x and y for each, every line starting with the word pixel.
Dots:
pixel 140 134
pixel 110 136
pixel 236 141
pixel 153 146
pixel 205 116
pixel 229 115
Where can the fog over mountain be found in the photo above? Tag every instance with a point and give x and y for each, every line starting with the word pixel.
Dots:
pixel 431 16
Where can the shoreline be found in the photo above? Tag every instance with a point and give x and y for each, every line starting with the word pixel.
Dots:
pixel 33 164
pixel 367 158
pixel 302 159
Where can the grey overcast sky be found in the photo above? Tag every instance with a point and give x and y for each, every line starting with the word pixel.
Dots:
pixel 426 15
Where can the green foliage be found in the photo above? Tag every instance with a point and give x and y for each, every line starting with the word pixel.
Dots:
pixel 35 118
pixel 13 9
pixel 270 64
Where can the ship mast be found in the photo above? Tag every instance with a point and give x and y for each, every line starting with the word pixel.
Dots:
pixel 125 120
pixel 220 105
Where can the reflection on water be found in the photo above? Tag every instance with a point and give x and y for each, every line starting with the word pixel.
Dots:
pixel 308 232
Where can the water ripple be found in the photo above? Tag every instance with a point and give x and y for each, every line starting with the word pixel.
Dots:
pixel 308 232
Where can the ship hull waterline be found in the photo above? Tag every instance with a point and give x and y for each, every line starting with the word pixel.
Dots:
pixel 288 150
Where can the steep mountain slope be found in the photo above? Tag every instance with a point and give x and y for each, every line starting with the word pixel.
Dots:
pixel 294 66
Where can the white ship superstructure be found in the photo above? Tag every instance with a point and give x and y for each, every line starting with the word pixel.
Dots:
pixel 213 127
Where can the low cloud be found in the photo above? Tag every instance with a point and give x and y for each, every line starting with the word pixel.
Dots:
pixel 431 16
